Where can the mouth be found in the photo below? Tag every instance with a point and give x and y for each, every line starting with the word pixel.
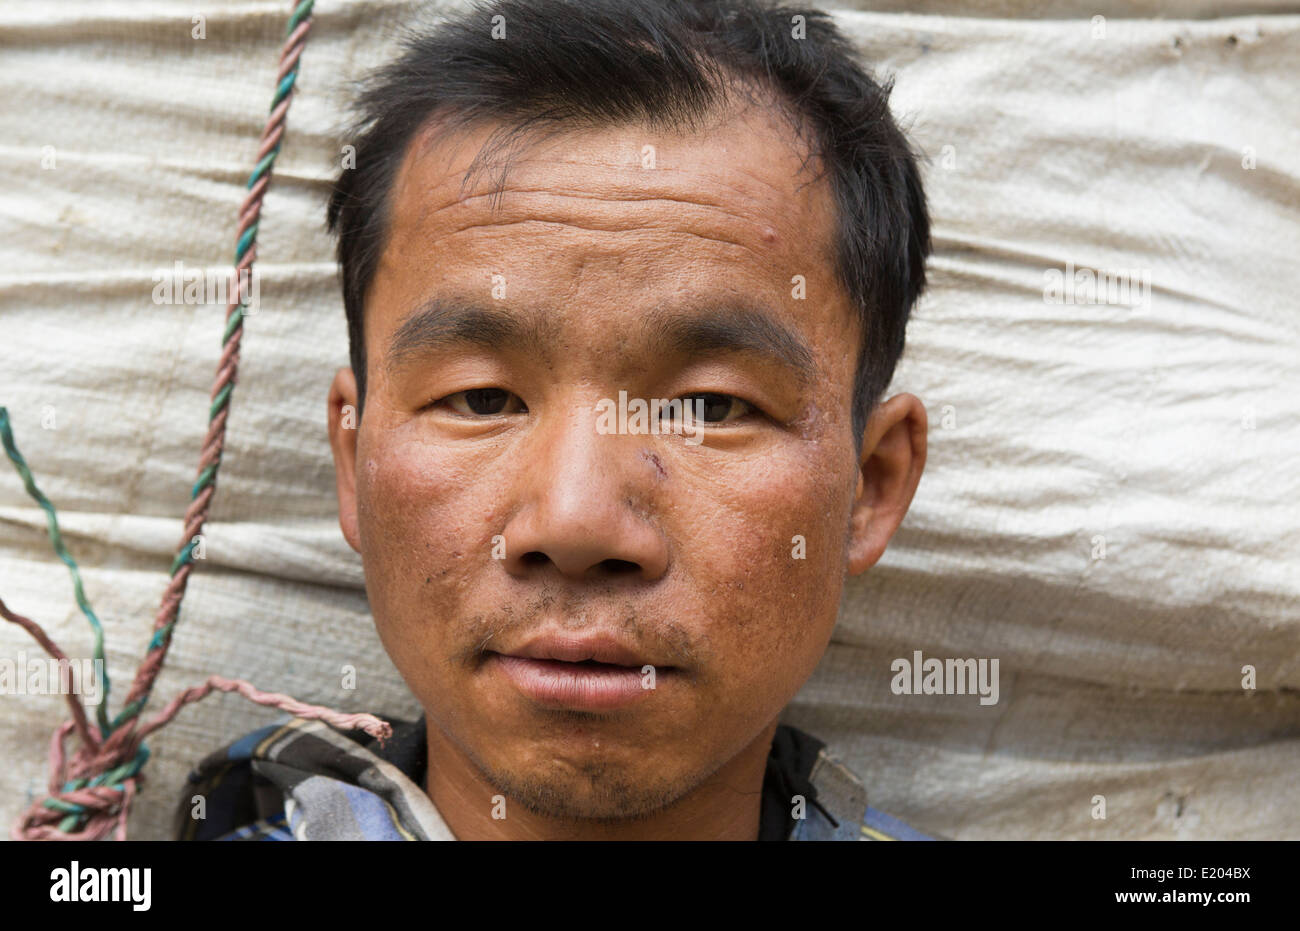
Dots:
pixel 590 673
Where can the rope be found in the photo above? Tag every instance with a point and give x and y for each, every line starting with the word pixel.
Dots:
pixel 56 538
pixel 90 794
pixel 205 485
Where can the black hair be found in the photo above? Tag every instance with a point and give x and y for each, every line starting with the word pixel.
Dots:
pixel 663 63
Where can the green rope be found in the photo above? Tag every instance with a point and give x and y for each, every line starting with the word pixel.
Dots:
pixel 208 477
pixel 75 814
pixel 295 20
pixel 56 540
pixel 114 778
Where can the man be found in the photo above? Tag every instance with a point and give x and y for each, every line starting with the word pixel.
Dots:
pixel 625 284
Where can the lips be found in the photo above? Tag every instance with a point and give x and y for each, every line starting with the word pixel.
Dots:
pixel 600 649
pixel 593 673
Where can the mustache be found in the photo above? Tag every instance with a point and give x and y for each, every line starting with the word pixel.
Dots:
pixel 668 641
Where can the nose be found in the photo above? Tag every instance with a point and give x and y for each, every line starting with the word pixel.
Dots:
pixel 583 505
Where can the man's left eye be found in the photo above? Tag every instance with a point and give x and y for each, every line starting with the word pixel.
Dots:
pixel 485 402
pixel 710 408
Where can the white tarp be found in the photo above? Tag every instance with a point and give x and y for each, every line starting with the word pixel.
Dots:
pixel 1167 435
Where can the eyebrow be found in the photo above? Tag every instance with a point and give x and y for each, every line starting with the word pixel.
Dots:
pixel 733 326
pixel 728 326
pixel 447 322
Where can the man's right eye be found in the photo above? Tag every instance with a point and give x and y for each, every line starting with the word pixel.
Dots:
pixel 485 402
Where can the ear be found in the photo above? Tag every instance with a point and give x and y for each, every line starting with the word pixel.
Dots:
pixel 889 469
pixel 344 422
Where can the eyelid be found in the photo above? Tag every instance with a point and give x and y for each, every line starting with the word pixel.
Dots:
pixel 748 407
pixel 752 408
pixel 447 398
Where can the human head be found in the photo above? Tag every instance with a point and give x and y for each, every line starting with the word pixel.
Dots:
pixel 661 159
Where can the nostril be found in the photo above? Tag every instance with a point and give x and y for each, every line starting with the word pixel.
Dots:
pixel 606 568
pixel 619 566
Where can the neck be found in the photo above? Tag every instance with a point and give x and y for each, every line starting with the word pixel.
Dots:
pixel 726 806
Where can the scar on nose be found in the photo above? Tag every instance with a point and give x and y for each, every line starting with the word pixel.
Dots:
pixel 654 460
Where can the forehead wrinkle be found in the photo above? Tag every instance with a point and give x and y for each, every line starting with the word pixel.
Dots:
pixel 611 181
pixel 628 210
pixel 760 253
pixel 664 211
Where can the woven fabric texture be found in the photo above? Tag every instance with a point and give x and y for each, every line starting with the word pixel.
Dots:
pixel 1166 435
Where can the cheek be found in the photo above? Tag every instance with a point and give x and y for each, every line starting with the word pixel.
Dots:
pixel 766 559
pixel 423 530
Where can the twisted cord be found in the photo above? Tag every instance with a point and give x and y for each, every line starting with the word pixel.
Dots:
pixel 210 458
pixel 90 794
pixel 95 788
pixel 61 550
pixel 84 731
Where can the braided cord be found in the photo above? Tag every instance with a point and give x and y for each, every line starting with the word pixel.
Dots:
pixel 61 550
pixel 210 458
pixel 93 791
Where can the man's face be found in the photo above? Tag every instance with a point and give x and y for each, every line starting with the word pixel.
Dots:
pixel 500 524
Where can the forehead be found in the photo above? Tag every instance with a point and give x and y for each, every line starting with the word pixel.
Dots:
pixel 615 216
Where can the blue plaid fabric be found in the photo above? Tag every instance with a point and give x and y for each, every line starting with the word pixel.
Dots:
pixel 304 780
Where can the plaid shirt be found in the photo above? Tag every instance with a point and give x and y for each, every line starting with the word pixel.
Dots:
pixel 304 780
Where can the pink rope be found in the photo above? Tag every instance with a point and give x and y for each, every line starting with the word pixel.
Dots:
pixel 108 805
pixel 105 807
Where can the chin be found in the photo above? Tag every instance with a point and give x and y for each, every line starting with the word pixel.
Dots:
pixel 597 792
pixel 583 782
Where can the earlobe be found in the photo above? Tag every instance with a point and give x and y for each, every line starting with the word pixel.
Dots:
pixel 890 466
pixel 344 423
